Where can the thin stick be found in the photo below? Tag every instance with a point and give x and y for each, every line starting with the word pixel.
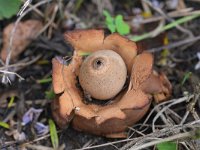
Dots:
pixel 9 72
pixel 106 144
pixel 171 138
pixel 169 19
pixel 171 14
pixel 175 44
pixel 163 132
pixel 40 13
pixel 166 107
pixel 50 21
pixel 22 64
pixel 164 103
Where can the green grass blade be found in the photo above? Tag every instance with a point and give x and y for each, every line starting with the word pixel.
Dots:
pixel 167 146
pixel 186 77
pixel 180 21
pixel 12 99
pixel 53 134
pixel 4 125
pixel 166 27
pixel 47 80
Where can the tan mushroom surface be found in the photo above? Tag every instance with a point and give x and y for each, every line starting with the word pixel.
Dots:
pixel 103 74
pixel 127 106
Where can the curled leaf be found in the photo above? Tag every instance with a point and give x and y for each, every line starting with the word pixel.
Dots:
pixel 25 32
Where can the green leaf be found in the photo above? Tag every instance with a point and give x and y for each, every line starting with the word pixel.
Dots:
pixel 42 81
pixel 186 77
pixel 12 99
pixel 4 125
pixel 50 94
pixel 121 26
pixel 109 21
pixel 109 18
pixel 8 8
pixel 167 146
pixel 53 134
pixel 111 27
pixel 116 24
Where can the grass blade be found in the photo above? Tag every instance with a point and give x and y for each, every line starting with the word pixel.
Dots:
pixel 12 99
pixel 167 146
pixel 166 27
pixel 4 125
pixel 53 134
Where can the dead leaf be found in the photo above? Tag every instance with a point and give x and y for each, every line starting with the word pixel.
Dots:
pixel 24 34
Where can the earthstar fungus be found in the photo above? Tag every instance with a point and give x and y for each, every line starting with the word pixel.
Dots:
pixel 125 107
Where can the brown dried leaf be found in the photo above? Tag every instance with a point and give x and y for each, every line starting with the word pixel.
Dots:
pixel 24 34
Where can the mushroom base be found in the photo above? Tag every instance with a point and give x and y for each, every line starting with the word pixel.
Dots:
pixel 112 128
